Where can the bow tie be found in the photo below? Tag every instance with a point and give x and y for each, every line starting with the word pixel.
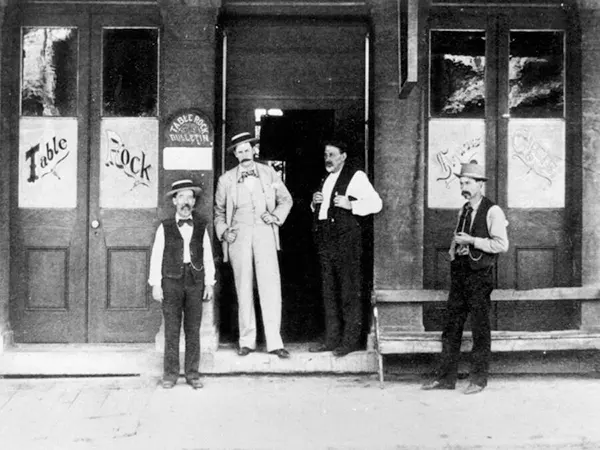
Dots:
pixel 182 222
pixel 247 173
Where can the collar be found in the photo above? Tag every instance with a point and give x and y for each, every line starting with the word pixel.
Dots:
pixel 177 217
pixel 475 206
pixel 252 167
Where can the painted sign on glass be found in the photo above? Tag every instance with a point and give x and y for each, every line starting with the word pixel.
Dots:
pixel 452 142
pixel 129 163
pixel 47 162
pixel 536 163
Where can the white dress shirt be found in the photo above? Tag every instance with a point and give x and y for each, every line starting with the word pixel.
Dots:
pixel 155 278
pixel 367 200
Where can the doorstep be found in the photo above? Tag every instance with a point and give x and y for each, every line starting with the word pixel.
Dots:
pixel 48 360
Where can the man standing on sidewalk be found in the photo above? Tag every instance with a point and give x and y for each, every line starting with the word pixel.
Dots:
pixel 345 193
pixel 182 276
pixel 479 237
pixel 251 203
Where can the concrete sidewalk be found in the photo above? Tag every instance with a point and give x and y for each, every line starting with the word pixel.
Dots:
pixel 279 412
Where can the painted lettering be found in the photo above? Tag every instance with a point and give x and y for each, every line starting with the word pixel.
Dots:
pixel 30 154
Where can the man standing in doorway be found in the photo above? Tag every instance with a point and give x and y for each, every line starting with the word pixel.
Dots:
pixel 479 237
pixel 251 203
pixel 345 193
pixel 182 276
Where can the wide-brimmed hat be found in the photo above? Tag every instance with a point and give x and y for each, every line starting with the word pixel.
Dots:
pixel 472 170
pixel 183 185
pixel 242 138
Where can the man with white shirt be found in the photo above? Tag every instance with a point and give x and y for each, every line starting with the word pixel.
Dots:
pixel 345 193
pixel 182 276
pixel 479 237
pixel 251 203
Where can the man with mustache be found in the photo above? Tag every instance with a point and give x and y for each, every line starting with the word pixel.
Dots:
pixel 345 193
pixel 182 276
pixel 479 237
pixel 251 203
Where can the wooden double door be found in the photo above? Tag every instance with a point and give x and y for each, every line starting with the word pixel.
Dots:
pixel 84 139
pixel 503 92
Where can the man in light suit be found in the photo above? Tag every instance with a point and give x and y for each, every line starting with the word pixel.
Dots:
pixel 251 203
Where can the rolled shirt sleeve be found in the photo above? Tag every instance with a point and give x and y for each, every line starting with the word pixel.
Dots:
pixel 498 240
pixel 365 200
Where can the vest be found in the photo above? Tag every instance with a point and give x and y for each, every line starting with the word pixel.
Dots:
pixel 172 262
pixel 478 259
pixel 342 219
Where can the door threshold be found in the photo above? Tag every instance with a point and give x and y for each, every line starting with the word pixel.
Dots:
pixel 47 360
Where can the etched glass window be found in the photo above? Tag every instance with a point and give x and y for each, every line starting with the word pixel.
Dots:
pixel 130 72
pixel 49 72
pixel 536 74
pixel 457 74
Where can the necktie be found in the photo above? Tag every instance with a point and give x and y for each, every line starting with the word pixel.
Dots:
pixel 247 173
pixel 182 222
pixel 464 223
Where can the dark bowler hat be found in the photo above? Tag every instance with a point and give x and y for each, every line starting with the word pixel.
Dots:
pixel 183 185
pixel 242 138
pixel 472 170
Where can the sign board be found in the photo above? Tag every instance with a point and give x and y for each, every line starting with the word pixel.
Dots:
pixel 189 141
pixel 47 162
pixel 536 163
pixel 452 142
pixel 129 163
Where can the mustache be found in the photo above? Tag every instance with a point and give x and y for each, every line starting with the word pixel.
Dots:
pixel 465 193
pixel 246 159
pixel 328 164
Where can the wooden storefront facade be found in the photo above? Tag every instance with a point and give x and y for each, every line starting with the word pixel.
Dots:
pixel 89 87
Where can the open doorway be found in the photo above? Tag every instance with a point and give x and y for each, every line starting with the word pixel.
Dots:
pixel 296 138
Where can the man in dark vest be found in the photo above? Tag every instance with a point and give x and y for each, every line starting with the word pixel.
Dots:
pixel 479 237
pixel 344 194
pixel 182 276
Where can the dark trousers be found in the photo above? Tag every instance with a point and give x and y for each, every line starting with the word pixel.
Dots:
pixel 469 294
pixel 182 297
pixel 341 284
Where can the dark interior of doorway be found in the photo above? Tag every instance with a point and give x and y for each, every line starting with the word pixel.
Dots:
pixel 295 138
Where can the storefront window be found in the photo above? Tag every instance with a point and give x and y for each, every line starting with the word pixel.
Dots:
pixel 457 73
pixel 49 72
pixel 130 72
pixel 536 74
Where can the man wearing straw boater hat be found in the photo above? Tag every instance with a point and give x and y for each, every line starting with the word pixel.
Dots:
pixel 182 276
pixel 251 203
pixel 479 237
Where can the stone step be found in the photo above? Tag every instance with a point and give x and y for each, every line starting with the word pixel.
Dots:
pixel 47 360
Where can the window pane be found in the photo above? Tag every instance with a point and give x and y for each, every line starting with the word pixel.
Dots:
pixel 130 72
pixel 536 74
pixel 457 74
pixel 49 72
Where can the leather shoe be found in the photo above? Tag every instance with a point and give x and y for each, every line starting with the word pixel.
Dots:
pixel 195 383
pixel 343 351
pixel 437 384
pixel 281 352
pixel 473 388
pixel 167 384
pixel 244 351
pixel 320 348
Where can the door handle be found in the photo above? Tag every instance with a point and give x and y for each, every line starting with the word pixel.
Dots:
pixel 95 224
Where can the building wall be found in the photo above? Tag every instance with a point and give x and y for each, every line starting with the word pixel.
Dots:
pixel 5 334
pixel 590 47
pixel 398 162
